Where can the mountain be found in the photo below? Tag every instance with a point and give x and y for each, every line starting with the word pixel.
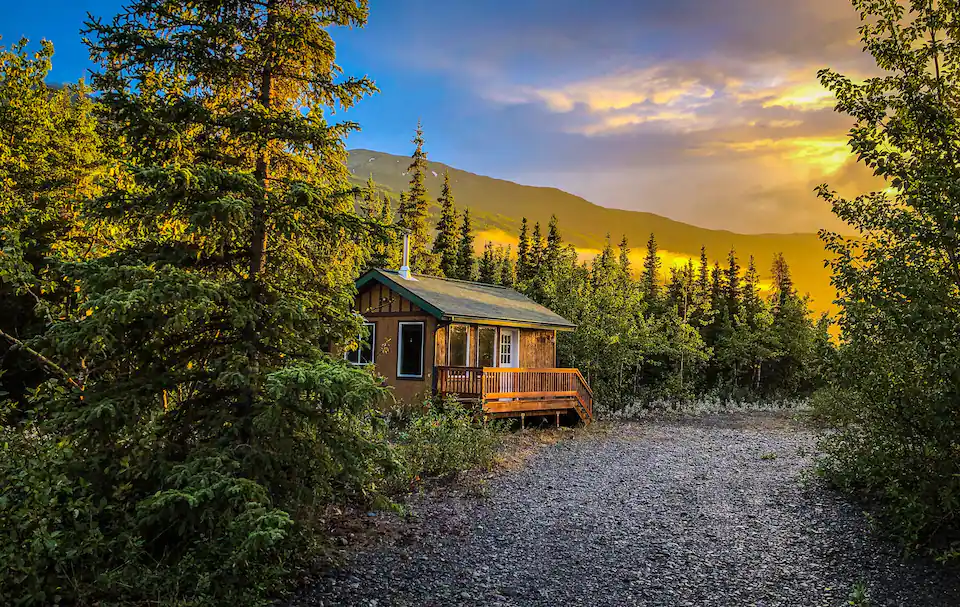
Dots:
pixel 497 207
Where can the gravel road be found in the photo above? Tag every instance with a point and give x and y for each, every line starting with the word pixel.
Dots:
pixel 710 512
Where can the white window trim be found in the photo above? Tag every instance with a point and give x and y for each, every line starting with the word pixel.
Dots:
pixel 466 363
pixel 423 335
pixel 373 347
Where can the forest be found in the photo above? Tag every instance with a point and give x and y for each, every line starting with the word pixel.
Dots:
pixel 179 241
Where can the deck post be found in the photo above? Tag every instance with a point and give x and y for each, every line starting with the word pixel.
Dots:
pixel 558 420
pixel 523 419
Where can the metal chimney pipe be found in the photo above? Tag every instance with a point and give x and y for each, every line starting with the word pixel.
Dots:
pixel 405 268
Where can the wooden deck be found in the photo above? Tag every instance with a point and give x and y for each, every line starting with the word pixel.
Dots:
pixel 507 392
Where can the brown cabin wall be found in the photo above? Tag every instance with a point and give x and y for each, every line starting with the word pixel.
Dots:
pixel 538 348
pixel 387 309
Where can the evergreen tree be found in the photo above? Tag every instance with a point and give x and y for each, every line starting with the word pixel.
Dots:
pixel 551 254
pixel 537 246
pixel 414 208
pixel 50 160
pixel 752 303
pixel 523 252
pixel 466 260
pixel 703 275
pixel 731 285
pixel 387 251
pixel 489 267
pixel 369 199
pixel 626 273
pixel 782 288
pixel 651 274
pixel 508 271
pixel 445 245
pixel 717 288
pixel 195 398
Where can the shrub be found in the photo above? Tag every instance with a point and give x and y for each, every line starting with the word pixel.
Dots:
pixel 446 438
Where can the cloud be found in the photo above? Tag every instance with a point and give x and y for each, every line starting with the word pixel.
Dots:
pixel 707 112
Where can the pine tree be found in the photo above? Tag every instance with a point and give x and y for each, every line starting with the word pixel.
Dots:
pixel 626 273
pixel 537 246
pixel 717 288
pixel 551 254
pixel 414 207
pixel 50 160
pixel 752 304
pixel 466 260
pixel 508 271
pixel 197 372
pixel 703 276
pixel 782 288
pixel 445 243
pixel 489 270
pixel 369 199
pixel 523 253
pixel 732 285
pixel 651 274
pixel 387 251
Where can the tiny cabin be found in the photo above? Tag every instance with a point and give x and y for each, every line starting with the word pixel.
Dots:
pixel 478 342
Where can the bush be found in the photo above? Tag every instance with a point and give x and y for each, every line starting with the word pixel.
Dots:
pixel 446 438
pixel 133 516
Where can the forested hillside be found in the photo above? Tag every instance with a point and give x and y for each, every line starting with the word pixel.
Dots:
pixel 497 204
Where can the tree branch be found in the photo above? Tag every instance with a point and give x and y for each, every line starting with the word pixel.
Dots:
pixel 46 361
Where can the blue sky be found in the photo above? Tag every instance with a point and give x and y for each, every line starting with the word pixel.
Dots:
pixel 707 112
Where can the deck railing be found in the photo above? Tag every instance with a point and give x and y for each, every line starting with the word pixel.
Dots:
pixel 521 385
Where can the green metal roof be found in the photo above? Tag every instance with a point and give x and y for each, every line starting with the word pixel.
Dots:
pixel 461 300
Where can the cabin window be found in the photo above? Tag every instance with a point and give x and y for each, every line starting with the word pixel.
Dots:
pixel 367 338
pixel 487 347
pixel 410 359
pixel 459 345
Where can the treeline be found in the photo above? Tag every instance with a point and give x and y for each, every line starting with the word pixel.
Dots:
pixel 645 335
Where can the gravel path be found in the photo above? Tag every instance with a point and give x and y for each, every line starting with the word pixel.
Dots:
pixel 706 513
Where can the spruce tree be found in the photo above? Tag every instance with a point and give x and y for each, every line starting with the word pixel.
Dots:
pixel 445 244
pixel 489 269
pixel 414 208
pixel 651 274
pixel 196 389
pixel 703 275
pixel 523 252
pixel 50 161
pixel 536 255
pixel 387 250
pixel 782 288
pixel 624 260
pixel 551 254
pixel 466 260
pixel 731 284
pixel 752 303
pixel 508 271
pixel 369 199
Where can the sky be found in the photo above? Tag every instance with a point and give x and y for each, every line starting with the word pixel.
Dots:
pixel 707 112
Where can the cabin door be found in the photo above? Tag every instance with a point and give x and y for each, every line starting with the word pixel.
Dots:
pixel 509 357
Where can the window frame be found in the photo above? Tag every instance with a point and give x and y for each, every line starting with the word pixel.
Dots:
pixel 496 342
pixel 423 347
pixel 373 347
pixel 466 355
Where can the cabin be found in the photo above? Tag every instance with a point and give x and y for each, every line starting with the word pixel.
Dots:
pixel 480 343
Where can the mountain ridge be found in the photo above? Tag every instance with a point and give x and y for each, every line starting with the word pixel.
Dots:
pixel 497 206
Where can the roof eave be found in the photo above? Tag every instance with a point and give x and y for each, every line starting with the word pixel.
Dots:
pixel 500 322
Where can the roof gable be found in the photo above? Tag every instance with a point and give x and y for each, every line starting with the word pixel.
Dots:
pixel 468 301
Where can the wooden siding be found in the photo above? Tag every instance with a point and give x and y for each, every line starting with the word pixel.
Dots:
pixel 378 299
pixel 538 348
pixel 387 309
